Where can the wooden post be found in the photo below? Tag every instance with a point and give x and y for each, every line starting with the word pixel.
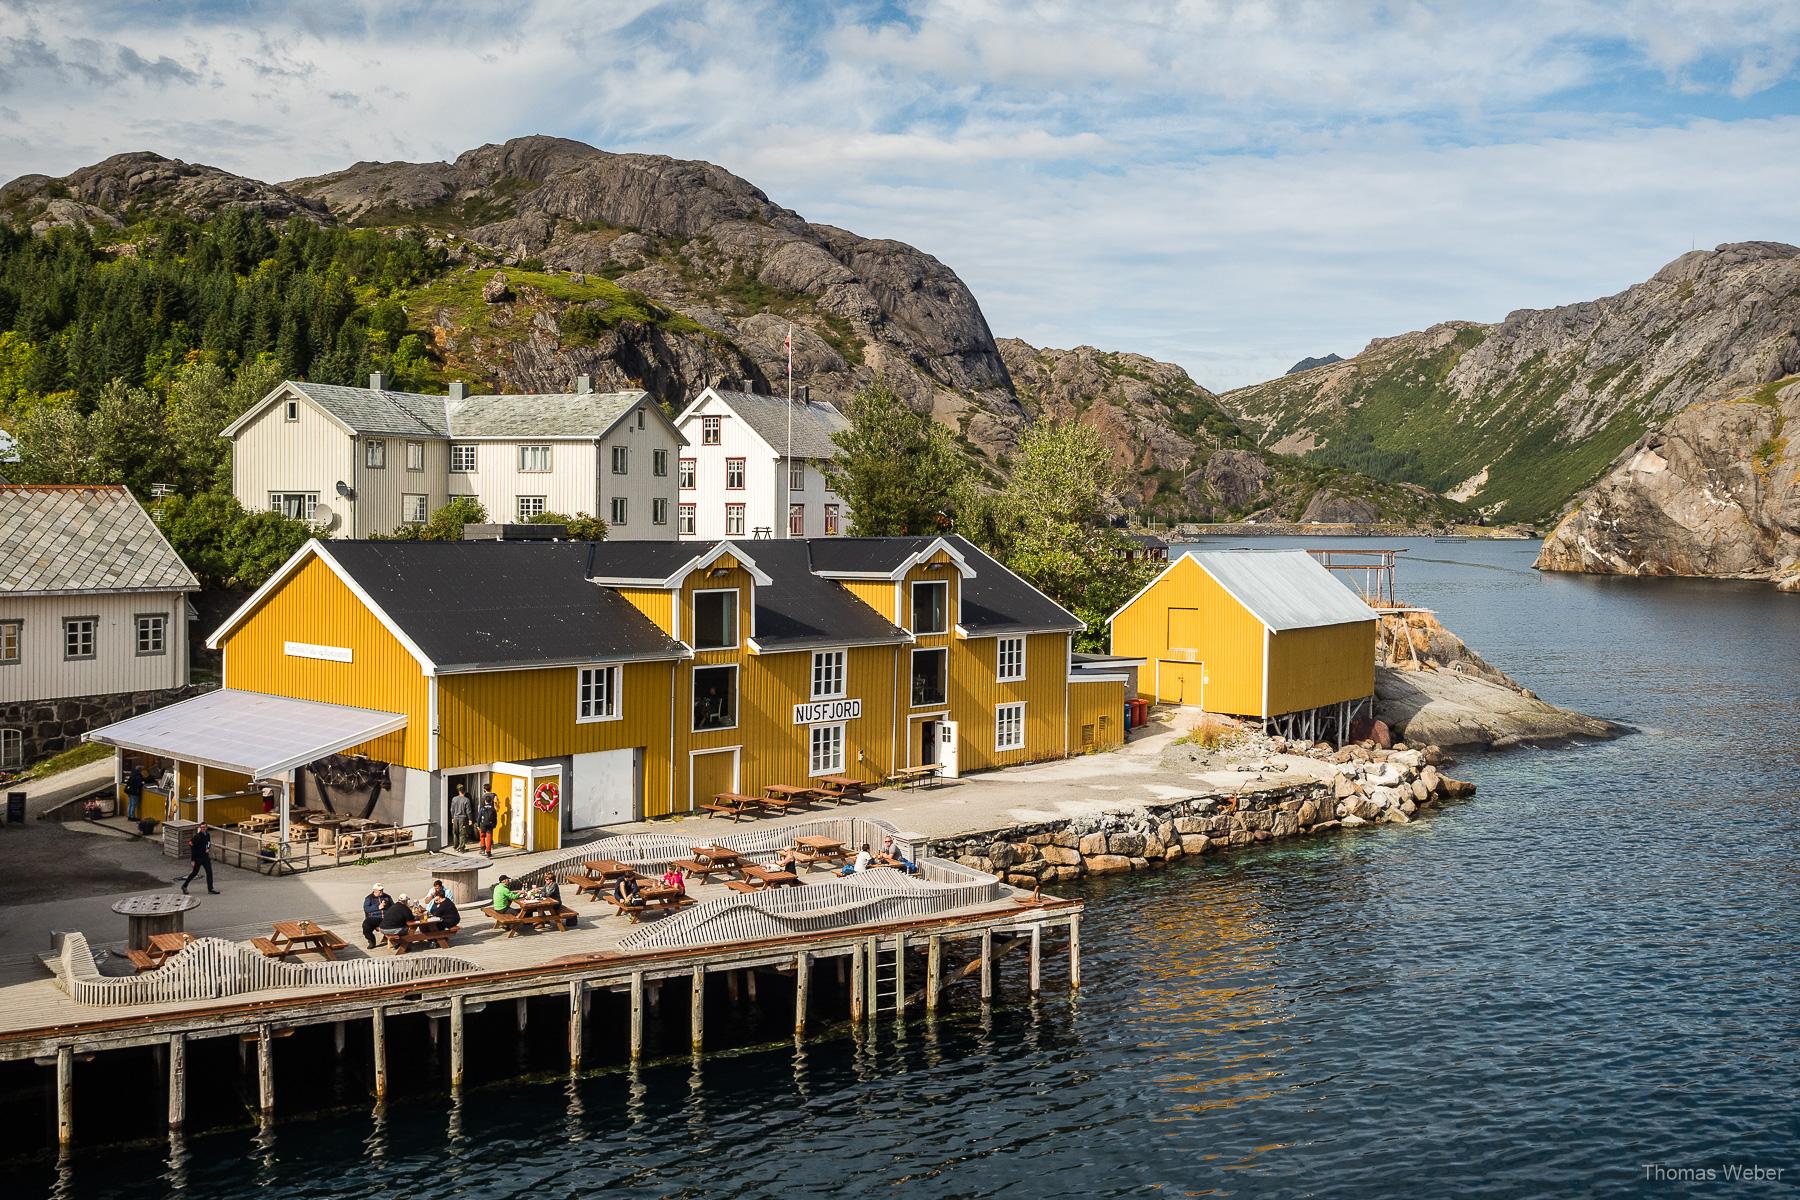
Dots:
pixel 731 988
pixel 520 1004
pixel 872 961
pixel 265 1069
pixel 856 982
pixel 987 965
pixel 899 973
pixel 1036 957
pixel 637 1015
pixel 934 970
pixel 1074 952
pixel 802 984
pixel 750 984
pixel 65 1095
pixel 337 1037
pixel 177 1080
pixel 456 1042
pixel 378 1027
pixel 577 1009
pixel 697 1009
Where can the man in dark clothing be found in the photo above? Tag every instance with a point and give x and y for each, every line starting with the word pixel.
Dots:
pixel 487 817
pixel 395 916
pixel 200 851
pixel 462 814
pixel 444 912
pixel 374 904
pixel 134 790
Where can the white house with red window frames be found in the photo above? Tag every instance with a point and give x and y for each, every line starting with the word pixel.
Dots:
pixel 737 477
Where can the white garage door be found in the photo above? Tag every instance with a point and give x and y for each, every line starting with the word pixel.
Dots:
pixel 605 788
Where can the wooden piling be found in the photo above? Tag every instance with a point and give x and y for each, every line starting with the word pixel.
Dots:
pixel 1037 950
pixel 750 984
pixel 177 1080
pixel 265 1069
pixel 577 1010
pixel 987 965
pixel 934 971
pixel 1075 952
pixel 856 983
pixel 802 984
pixel 65 1096
pixel 697 1008
pixel 456 1042
pixel 378 1030
pixel 523 1009
pixel 338 1034
pixel 637 1015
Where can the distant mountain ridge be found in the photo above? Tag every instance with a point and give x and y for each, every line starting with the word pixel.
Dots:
pixel 1517 417
pixel 1307 364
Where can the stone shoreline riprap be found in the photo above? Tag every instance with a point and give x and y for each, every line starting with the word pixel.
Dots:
pixel 1366 786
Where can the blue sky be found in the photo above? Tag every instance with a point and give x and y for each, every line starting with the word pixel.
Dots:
pixel 1227 185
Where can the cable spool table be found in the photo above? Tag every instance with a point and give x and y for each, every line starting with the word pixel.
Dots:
pixel 150 915
pixel 458 874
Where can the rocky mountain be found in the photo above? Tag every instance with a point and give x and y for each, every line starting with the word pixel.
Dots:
pixel 1517 417
pixel 1183 456
pixel 1307 364
pixel 1714 491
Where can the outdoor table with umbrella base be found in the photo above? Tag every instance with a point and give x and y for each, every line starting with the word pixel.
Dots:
pixel 147 915
pixel 458 875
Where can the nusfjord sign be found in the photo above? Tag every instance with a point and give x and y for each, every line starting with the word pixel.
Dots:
pixel 827 710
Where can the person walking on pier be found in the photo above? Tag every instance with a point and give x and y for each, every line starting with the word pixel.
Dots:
pixel 134 790
pixel 200 850
pixel 462 815
pixel 374 904
pixel 487 816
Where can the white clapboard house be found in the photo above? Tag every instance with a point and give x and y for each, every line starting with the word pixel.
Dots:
pixel 754 466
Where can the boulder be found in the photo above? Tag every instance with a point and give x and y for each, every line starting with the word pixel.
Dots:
pixel 1187 825
pixel 1139 862
pixel 1458 789
pixel 1061 856
pixel 1107 864
pixel 1194 843
pixel 1128 844
pixel 1092 844
pixel 1393 816
pixel 1431 779
pixel 1343 786
pixel 1001 854
pixel 1408 807
pixel 1067 838
pixel 496 290
pixel 1352 821
pixel 1308 814
pixel 1420 793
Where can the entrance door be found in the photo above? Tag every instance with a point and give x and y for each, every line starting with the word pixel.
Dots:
pixel 946 755
pixel 546 827
pixel 928 743
pixel 607 788
pixel 1179 682
pixel 711 772
pixel 509 802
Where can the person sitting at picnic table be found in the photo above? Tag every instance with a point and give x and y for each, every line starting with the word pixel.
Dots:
pixel 550 889
pixel 504 894
pixel 395 916
pixel 626 891
pixel 860 862
pixel 788 861
pixel 374 904
pixel 441 910
pixel 891 855
pixel 674 880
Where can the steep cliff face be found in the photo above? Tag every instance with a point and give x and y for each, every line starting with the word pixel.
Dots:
pixel 1715 491
pixel 1517 417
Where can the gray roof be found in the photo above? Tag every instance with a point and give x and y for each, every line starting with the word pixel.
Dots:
pixel 814 422
pixel 83 539
pixel 256 734
pixel 412 414
pixel 1284 589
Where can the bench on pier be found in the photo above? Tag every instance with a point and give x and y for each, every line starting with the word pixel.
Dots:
pixel 734 805
pixel 402 942
pixel 666 899
pixel 322 941
pixel 143 960
pixel 561 917
pixel 594 888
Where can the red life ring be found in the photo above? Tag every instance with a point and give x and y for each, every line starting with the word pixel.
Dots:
pixel 545 798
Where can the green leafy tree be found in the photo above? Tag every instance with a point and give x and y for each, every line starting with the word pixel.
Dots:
pixel 581 527
pixel 225 545
pixel 203 399
pixel 898 469
pixel 445 525
pixel 54 446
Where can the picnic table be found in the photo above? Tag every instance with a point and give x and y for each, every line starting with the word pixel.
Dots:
pixel 596 875
pixel 757 878
pixel 299 937
pixel 157 953
pixel 782 796
pixel 666 898
pixel 734 805
pixel 459 875
pixel 534 914
pixel 908 777
pixel 841 788
pixel 814 847
pixel 147 915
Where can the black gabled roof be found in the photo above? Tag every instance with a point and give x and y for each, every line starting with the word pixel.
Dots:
pixel 800 608
pixel 649 560
pixel 501 604
pixel 865 555
pixel 994 601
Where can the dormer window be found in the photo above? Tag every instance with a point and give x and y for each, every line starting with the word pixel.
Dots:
pixel 709 431
pixel 931 607
pixel 715 619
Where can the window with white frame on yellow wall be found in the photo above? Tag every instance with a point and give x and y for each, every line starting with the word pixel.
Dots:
pixel 1009 659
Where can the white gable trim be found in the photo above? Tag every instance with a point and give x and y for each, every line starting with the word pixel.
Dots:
pixel 647 401
pixel 285 388
pixel 1159 578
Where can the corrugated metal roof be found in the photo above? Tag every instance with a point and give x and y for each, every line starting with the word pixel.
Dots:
pixel 1284 589
pixel 814 422
pixel 84 539
pixel 256 734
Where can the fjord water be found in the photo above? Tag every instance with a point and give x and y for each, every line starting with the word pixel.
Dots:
pixel 1590 969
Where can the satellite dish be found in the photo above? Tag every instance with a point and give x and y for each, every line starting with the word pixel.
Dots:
pixel 345 490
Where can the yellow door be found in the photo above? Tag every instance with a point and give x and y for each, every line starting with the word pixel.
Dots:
pixel 1181 682
pixel 714 771
pixel 546 827
pixel 506 790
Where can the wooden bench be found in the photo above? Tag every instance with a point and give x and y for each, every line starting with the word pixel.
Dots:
pixel 704 868
pixel 582 883
pixel 563 917
pixel 734 805
pixel 143 960
pixel 273 949
pixel 402 942
pixel 635 912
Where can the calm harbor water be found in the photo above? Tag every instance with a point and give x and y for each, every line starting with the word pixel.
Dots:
pixel 1590 969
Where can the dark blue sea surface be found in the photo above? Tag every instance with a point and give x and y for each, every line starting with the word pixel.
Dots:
pixel 1588 974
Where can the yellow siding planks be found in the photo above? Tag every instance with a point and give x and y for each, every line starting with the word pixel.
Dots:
pixel 1096 715
pixel 1313 667
pixel 1226 637
pixel 976 691
pixel 655 603
pixel 314 606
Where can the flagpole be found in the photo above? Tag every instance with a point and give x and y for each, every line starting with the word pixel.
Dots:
pixel 787 486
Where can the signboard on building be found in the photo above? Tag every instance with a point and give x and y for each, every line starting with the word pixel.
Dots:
pixel 827 710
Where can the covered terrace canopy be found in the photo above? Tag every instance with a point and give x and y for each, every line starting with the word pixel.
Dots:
pixel 263 737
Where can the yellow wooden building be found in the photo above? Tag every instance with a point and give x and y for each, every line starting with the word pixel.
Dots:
pixel 1252 633
pixel 637 679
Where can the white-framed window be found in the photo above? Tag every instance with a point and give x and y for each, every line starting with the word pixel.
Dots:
pixel 291 410
pixel 152 634
pixel 12 642
pixel 597 694
pixel 619 510
pixel 659 511
pixel 797 475
pixel 462 459
pixel 534 460
pixel 78 636
pixel 1009 659
pixel 734 520
pixel 414 508
pixel 12 747
pixel 715 697
pixel 734 474
pixel 831 520
pixel 375 454
pixel 796 520
pixel 716 619
pixel 302 506
pixel 621 460
pixel 709 431
pixel 1009 726
pixel 530 506
pixel 685 481
pixel 684 520
pixel 415 456
pixel 640 416
pixel 659 463
pixel 931 606
pixel 827 674
pixel 929 677
pixel 827 751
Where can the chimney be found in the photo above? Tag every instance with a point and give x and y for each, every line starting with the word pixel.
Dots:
pixel 584 384
pixel 803 393
pixel 458 389
pixel 377 382
pixel 749 385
